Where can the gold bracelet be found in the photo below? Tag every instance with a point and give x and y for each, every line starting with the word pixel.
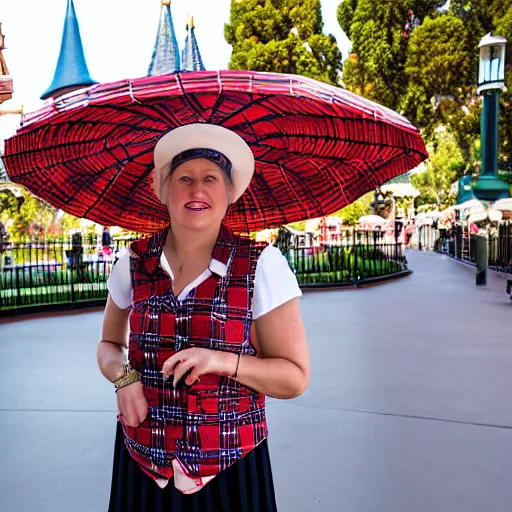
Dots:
pixel 130 377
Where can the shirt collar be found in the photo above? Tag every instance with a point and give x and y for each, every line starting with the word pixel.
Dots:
pixel 220 255
pixel 217 267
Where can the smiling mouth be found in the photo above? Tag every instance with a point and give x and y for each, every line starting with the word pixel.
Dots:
pixel 197 206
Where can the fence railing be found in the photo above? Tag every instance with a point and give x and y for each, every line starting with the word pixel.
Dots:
pixel 353 258
pixel 64 271
pixel 458 243
pixel 43 273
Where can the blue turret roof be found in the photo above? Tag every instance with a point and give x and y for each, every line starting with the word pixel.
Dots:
pixel 71 72
pixel 166 55
pixel 191 58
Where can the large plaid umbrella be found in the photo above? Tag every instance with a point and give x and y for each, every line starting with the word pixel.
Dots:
pixel 317 147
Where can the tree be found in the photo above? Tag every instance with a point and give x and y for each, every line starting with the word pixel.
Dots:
pixel 502 20
pixel 32 217
pixel 282 36
pixel 444 167
pixel 438 64
pixel 351 213
pixel 428 73
pixel 379 46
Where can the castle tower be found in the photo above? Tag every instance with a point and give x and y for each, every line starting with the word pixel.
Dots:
pixel 71 72
pixel 166 54
pixel 191 59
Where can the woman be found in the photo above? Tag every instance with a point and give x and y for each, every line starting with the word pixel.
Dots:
pixel 213 325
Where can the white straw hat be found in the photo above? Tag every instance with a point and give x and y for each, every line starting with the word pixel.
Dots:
pixel 203 136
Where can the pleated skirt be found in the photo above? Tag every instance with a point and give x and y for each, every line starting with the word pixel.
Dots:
pixel 246 486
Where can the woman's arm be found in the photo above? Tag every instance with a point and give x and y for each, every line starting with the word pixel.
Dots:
pixel 131 401
pixel 281 368
pixel 111 353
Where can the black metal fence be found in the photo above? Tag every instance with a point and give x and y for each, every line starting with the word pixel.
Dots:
pixel 459 244
pixel 44 273
pixel 353 258
pixel 75 272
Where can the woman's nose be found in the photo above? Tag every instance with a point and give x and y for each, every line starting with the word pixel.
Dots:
pixel 196 189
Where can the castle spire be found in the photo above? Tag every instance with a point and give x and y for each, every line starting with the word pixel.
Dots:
pixel 71 72
pixel 166 54
pixel 191 59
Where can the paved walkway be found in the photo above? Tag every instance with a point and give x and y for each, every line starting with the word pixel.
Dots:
pixel 409 408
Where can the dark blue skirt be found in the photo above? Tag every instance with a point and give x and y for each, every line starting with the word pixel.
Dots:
pixel 246 486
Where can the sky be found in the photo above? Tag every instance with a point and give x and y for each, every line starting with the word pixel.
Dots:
pixel 118 38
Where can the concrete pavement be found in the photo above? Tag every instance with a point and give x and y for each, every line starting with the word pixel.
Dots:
pixel 409 407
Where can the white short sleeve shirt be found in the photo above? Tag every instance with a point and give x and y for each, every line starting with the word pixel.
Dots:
pixel 274 282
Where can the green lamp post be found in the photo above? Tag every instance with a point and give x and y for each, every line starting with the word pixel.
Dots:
pixel 491 81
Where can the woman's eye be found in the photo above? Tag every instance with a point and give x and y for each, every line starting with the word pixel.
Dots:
pixel 210 179
pixel 185 179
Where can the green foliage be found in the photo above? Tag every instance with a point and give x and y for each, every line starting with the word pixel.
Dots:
pixel 445 166
pixel 32 217
pixel 351 213
pixel 429 76
pixel 440 81
pixel 260 34
pixel 376 69
pixel 299 226
pixel 339 264
pixel 69 222
pixel 374 29
pixel 9 205
pixel 446 64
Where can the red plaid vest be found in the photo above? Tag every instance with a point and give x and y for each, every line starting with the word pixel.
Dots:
pixel 214 423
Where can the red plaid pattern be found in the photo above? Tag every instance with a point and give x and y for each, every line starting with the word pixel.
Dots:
pixel 317 147
pixel 210 425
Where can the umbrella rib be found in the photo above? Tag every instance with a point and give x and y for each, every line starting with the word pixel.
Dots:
pixel 79 158
pixel 112 181
pixel 136 183
pixel 331 138
pixel 270 193
pixel 64 145
pixel 297 198
pixel 186 96
pixel 69 123
pixel 234 113
pixel 65 203
pixel 161 109
pixel 263 139
pixel 218 101
pixel 409 129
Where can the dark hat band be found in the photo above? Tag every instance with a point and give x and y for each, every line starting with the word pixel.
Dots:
pixel 210 154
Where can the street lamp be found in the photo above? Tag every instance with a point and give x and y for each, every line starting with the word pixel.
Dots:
pixel 491 74
pixel 491 82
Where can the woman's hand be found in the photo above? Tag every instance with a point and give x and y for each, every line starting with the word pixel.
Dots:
pixel 132 404
pixel 198 361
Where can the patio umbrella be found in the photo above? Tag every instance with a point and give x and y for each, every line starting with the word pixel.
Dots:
pixel 372 220
pixel 401 190
pixel 472 204
pixel 317 147
pixel 504 205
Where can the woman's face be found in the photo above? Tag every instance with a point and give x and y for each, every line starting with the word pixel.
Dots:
pixel 198 194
